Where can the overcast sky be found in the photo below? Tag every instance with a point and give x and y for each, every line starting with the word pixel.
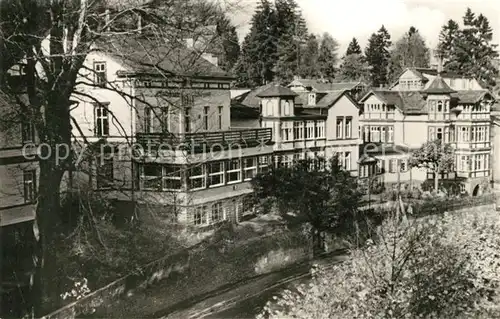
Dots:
pixel 345 19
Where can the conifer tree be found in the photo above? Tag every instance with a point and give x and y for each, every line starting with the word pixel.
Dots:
pixel 327 59
pixel 377 56
pixel 353 47
pixel 309 67
pixel 256 63
pixel 469 51
pixel 230 44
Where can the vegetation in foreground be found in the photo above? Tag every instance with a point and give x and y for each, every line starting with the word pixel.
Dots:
pixel 445 266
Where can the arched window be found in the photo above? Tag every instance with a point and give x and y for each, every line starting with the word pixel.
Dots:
pixel 440 106
pixel 269 108
pixel 287 108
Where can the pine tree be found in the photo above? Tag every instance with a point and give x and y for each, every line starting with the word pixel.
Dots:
pixel 469 51
pixel 258 56
pixel 291 31
pixel 353 47
pixel 377 56
pixel 354 68
pixel 230 44
pixel 409 51
pixel 327 59
pixel 309 66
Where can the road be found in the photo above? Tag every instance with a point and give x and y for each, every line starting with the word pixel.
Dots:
pixel 247 300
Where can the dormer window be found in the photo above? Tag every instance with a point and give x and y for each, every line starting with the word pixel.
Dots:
pixel 312 99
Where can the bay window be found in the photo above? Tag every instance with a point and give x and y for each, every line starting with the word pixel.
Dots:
pixel 320 129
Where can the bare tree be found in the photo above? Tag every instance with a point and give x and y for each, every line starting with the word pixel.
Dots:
pixel 51 41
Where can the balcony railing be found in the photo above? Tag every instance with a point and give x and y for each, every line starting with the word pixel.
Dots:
pixel 195 141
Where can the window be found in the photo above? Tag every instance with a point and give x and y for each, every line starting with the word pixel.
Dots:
pixel 28 131
pixel 263 164
pixel 320 129
pixel 348 127
pixel 340 127
pixel 187 120
pixel 148 119
pixel 287 109
pixel 376 133
pixel 165 119
pixel 464 134
pixel 268 110
pixel 440 107
pixel 234 171
pixel 104 176
pixel 286 131
pixel 390 139
pixel 101 120
pixel 171 177
pixel 366 135
pixel 150 177
pixel 393 165
pixel 383 134
pixel 197 177
pixel 298 130
pixel 29 181
pixel 220 118
pixel 205 117
pixel 217 213
pixel 463 163
pixel 403 165
pixel 439 133
pixel 312 99
pixel 287 160
pixel 200 216
pixel 309 130
pixel 447 134
pixel 347 161
pixel 216 174
pixel 100 74
pixel 250 168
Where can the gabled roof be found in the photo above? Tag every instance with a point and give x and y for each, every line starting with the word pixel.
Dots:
pixel 414 71
pixel 250 98
pixel 438 86
pixel 150 57
pixel 444 74
pixel 322 86
pixel 277 91
pixel 408 102
pixel 471 96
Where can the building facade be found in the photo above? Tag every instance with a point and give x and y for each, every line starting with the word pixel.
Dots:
pixel 164 136
pixel 324 129
pixel 424 106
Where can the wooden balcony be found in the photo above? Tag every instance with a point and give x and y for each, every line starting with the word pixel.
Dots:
pixel 197 142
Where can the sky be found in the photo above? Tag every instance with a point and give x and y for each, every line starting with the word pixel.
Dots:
pixel 345 19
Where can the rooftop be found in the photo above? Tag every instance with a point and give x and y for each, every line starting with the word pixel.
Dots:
pixel 323 86
pixel 146 56
pixel 277 91
pixel 438 86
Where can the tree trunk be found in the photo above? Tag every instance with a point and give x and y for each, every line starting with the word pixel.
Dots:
pixel 436 182
pixel 46 221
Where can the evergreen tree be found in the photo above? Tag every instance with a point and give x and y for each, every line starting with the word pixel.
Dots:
pixel 309 67
pixel 291 32
pixel 469 51
pixel 448 40
pixel 353 47
pixel 230 44
pixel 409 51
pixel 258 56
pixel 327 59
pixel 354 68
pixel 377 56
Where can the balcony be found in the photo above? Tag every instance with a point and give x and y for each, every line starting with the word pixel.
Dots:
pixel 198 142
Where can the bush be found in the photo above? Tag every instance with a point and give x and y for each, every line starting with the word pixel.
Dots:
pixel 415 269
